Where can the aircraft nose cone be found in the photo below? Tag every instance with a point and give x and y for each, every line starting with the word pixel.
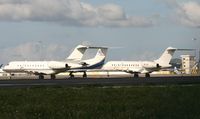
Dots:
pixel 5 68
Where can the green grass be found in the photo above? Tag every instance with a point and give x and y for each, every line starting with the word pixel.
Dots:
pixel 90 102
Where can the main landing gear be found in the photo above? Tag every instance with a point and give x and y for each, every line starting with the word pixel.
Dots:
pixel 147 75
pixel 84 75
pixel 41 77
pixel 71 75
pixel 53 76
pixel 136 75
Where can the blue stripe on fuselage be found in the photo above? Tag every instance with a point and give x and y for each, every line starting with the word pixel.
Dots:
pixel 98 65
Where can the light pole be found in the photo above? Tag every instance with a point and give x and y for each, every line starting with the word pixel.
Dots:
pixel 198 44
pixel 39 46
pixel 197 50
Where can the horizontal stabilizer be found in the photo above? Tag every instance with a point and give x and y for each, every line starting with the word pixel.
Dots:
pixel 171 48
pixel 94 47
pixel 186 49
pixel 79 51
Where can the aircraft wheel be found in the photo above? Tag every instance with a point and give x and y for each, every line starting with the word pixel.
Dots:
pixel 136 75
pixel 147 75
pixel 41 76
pixel 53 76
pixel 71 75
pixel 84 75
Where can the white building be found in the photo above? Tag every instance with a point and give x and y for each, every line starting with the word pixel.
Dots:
pixel 188 63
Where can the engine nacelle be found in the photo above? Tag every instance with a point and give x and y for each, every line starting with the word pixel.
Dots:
pixel 58 65
pixel 157 65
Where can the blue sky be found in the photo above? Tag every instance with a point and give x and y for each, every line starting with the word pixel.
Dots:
pixel 49 29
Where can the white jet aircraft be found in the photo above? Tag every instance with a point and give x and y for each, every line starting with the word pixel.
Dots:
pixel 143 67
pixel 73 63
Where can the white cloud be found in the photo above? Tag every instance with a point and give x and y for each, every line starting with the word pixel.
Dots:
pixel 69 12
pixel 183 12
pixel 188 14
pixel 34 51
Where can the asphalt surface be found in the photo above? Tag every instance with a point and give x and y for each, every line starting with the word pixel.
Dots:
pixel 123 81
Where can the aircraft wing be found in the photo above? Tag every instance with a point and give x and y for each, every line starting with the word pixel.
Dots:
pixel 86 70
pixel 37 72
pixel 105 70
pixel 93 70
pixel 131 70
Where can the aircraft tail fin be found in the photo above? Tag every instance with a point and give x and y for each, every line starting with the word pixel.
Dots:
pixel 165 58
pixel 99 58
pixel 77 53
pixel 101 53
pixel 1 65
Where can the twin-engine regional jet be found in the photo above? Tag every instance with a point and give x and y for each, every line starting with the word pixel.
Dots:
pixel 143 67
pixel 73 63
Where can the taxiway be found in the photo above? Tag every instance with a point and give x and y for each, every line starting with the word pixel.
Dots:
pixel 120 81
